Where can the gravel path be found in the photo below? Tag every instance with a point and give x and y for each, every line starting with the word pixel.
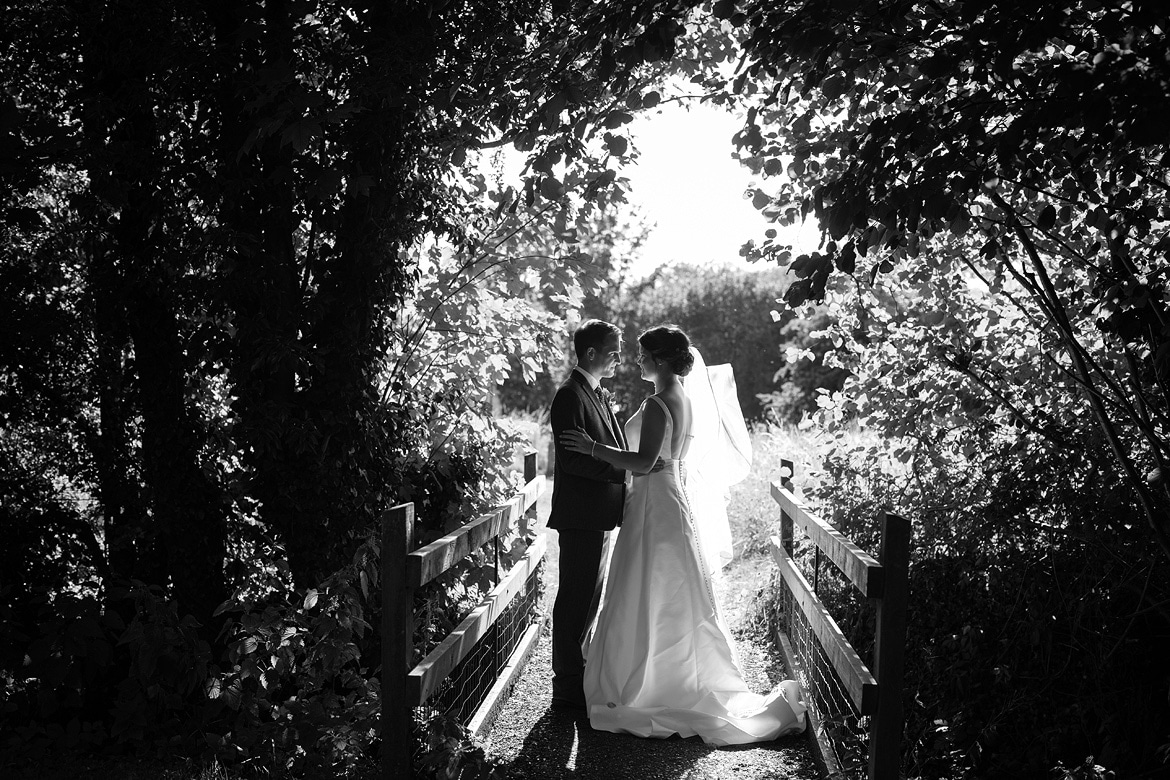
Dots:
pixel 536 742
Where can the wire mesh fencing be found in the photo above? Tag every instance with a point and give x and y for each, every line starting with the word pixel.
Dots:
pixel 842 728
pixel 466 688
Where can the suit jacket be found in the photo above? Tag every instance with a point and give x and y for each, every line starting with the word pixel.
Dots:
pixel 587 493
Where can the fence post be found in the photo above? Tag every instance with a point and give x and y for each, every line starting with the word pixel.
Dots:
pixel 397 619
pixel 529 475
pixel 889 653
pixel 787 472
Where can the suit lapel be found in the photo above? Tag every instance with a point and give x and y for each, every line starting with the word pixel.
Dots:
pixel 611 420
pixel 618 433
pixel 603 411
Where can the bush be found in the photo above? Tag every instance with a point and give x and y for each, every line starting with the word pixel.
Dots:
pixel 298 696
pixel 296 690
pixel 1034 638
pixel 80 677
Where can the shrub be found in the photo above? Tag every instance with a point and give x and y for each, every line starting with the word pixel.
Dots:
pixel 1033 638
pixel 82 677
pixel 298 695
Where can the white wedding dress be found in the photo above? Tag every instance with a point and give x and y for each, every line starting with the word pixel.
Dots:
pixel 660 660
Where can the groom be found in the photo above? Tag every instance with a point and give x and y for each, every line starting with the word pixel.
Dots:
pixel 586 503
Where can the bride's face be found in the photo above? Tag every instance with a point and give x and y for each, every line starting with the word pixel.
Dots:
pixel 646 363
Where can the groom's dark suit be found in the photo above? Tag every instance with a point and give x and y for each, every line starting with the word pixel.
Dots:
pixel 587 500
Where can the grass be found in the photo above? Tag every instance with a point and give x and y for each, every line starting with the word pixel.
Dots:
pixel 751 510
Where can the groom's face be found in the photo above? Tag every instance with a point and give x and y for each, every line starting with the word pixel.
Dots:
pixel 611 356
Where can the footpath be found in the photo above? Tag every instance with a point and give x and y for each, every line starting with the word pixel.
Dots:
pixel 536 742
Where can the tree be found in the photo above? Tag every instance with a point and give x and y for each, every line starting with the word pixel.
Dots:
pixel 219 212
pixel 1034 137
pixel 990 183
pixel 724 310
pixel 605 250
pixel 808 370
pixel 243 185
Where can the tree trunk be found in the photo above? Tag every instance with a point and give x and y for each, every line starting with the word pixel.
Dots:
pixel 305 361
pixel 262 286
pixel 141 263
pixel 190 511
pixel 131 540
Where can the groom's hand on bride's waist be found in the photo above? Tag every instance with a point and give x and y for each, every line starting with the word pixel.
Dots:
pixel 659 465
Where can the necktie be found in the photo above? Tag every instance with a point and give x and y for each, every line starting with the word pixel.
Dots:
pixel 610 419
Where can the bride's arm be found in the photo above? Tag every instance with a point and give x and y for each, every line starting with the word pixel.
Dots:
pixel 642 461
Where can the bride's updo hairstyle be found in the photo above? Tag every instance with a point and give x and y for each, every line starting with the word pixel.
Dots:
pixel 670 344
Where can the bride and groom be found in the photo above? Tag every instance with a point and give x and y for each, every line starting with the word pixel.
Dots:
pixel 655 658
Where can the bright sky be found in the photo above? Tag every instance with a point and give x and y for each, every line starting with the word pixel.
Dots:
pixel 690 191
pixel 688 186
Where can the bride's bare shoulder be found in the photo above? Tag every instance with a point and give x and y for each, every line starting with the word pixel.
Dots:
pixel 675 400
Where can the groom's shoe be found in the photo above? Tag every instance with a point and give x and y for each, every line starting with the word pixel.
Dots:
pixel 568 707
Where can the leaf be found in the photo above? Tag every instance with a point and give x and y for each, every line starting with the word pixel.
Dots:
pixel 797 292
pixel 937 66
pixel 833 87
pixel 847 259
pixel 723 9
pixel 300 134
pixel 617 119
pixel 310 599
pixel 761 199
pixel 616 144
pixel 551 188
pixel 1047 217
pixel 961 223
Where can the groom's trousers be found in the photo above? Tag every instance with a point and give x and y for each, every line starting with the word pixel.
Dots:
pixel 581 573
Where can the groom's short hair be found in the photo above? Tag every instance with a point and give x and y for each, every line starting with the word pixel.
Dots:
pixel 592 333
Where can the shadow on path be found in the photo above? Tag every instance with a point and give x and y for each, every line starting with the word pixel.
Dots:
pixel 535 742
pixel 563 747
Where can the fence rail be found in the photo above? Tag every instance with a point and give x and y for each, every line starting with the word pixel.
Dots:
pixel 404 570
pixel 875 695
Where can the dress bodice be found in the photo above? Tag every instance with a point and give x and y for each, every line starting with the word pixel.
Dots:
pixel 633 430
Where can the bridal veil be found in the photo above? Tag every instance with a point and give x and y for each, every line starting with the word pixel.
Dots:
pixel 720 455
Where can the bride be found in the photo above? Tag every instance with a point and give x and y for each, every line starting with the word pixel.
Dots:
pixel 661 660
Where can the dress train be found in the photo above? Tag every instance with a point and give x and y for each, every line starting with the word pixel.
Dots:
pixel 660 660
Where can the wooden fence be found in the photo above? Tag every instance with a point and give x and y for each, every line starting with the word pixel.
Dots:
pixel 405 569
pixel 876 695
